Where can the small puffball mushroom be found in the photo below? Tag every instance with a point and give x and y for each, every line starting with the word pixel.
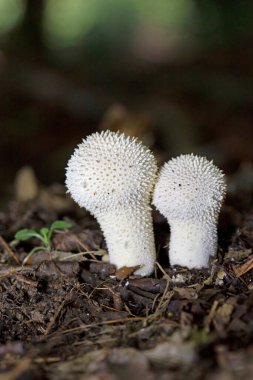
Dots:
pixel 112 176
pixel 189 193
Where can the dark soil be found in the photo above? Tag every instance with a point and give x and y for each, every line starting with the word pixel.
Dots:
pixel 70 316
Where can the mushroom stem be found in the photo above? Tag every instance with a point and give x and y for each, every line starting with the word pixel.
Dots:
pixel 192 243
pixel 130 241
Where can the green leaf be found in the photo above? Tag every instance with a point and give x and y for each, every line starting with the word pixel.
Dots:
pixel 25 234
pixel 60 225
pixel 44 232
pixel 45 236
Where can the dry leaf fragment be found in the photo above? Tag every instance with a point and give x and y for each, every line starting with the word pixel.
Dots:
pixel 186 293
pixel 125 272
pixel 238 255
pixel 225 310
pixel 244 268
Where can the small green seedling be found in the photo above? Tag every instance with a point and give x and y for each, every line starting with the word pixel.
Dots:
pixel 44 235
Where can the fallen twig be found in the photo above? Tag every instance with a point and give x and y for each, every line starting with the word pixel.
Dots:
pixel 9 250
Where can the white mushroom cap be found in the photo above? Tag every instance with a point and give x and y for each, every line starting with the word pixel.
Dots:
pixel 109 170
pixel 190 187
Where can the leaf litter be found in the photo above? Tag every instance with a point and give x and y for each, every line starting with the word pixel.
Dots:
pixel 69 314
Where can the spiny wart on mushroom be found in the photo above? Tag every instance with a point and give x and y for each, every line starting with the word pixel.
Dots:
pixel 113 176
pixel 189 193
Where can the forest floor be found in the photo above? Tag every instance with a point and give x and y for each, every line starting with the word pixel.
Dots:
pixel 68 314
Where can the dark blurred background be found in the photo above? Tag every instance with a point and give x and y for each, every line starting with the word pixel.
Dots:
pixel 176 73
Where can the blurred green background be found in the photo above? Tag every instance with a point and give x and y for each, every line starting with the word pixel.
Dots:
pixel 176 73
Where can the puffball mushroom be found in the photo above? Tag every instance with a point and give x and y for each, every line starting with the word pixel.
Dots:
pixel 112 176
pixel 189 193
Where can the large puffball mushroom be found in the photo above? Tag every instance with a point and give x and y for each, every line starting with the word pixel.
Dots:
pixel 189 193
pixel 112 176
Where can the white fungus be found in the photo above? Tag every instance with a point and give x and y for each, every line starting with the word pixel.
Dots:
pixel 112 176
pixel 189 193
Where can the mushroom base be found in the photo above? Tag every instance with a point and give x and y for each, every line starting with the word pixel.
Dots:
pixel 130 238
pixel 192 243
